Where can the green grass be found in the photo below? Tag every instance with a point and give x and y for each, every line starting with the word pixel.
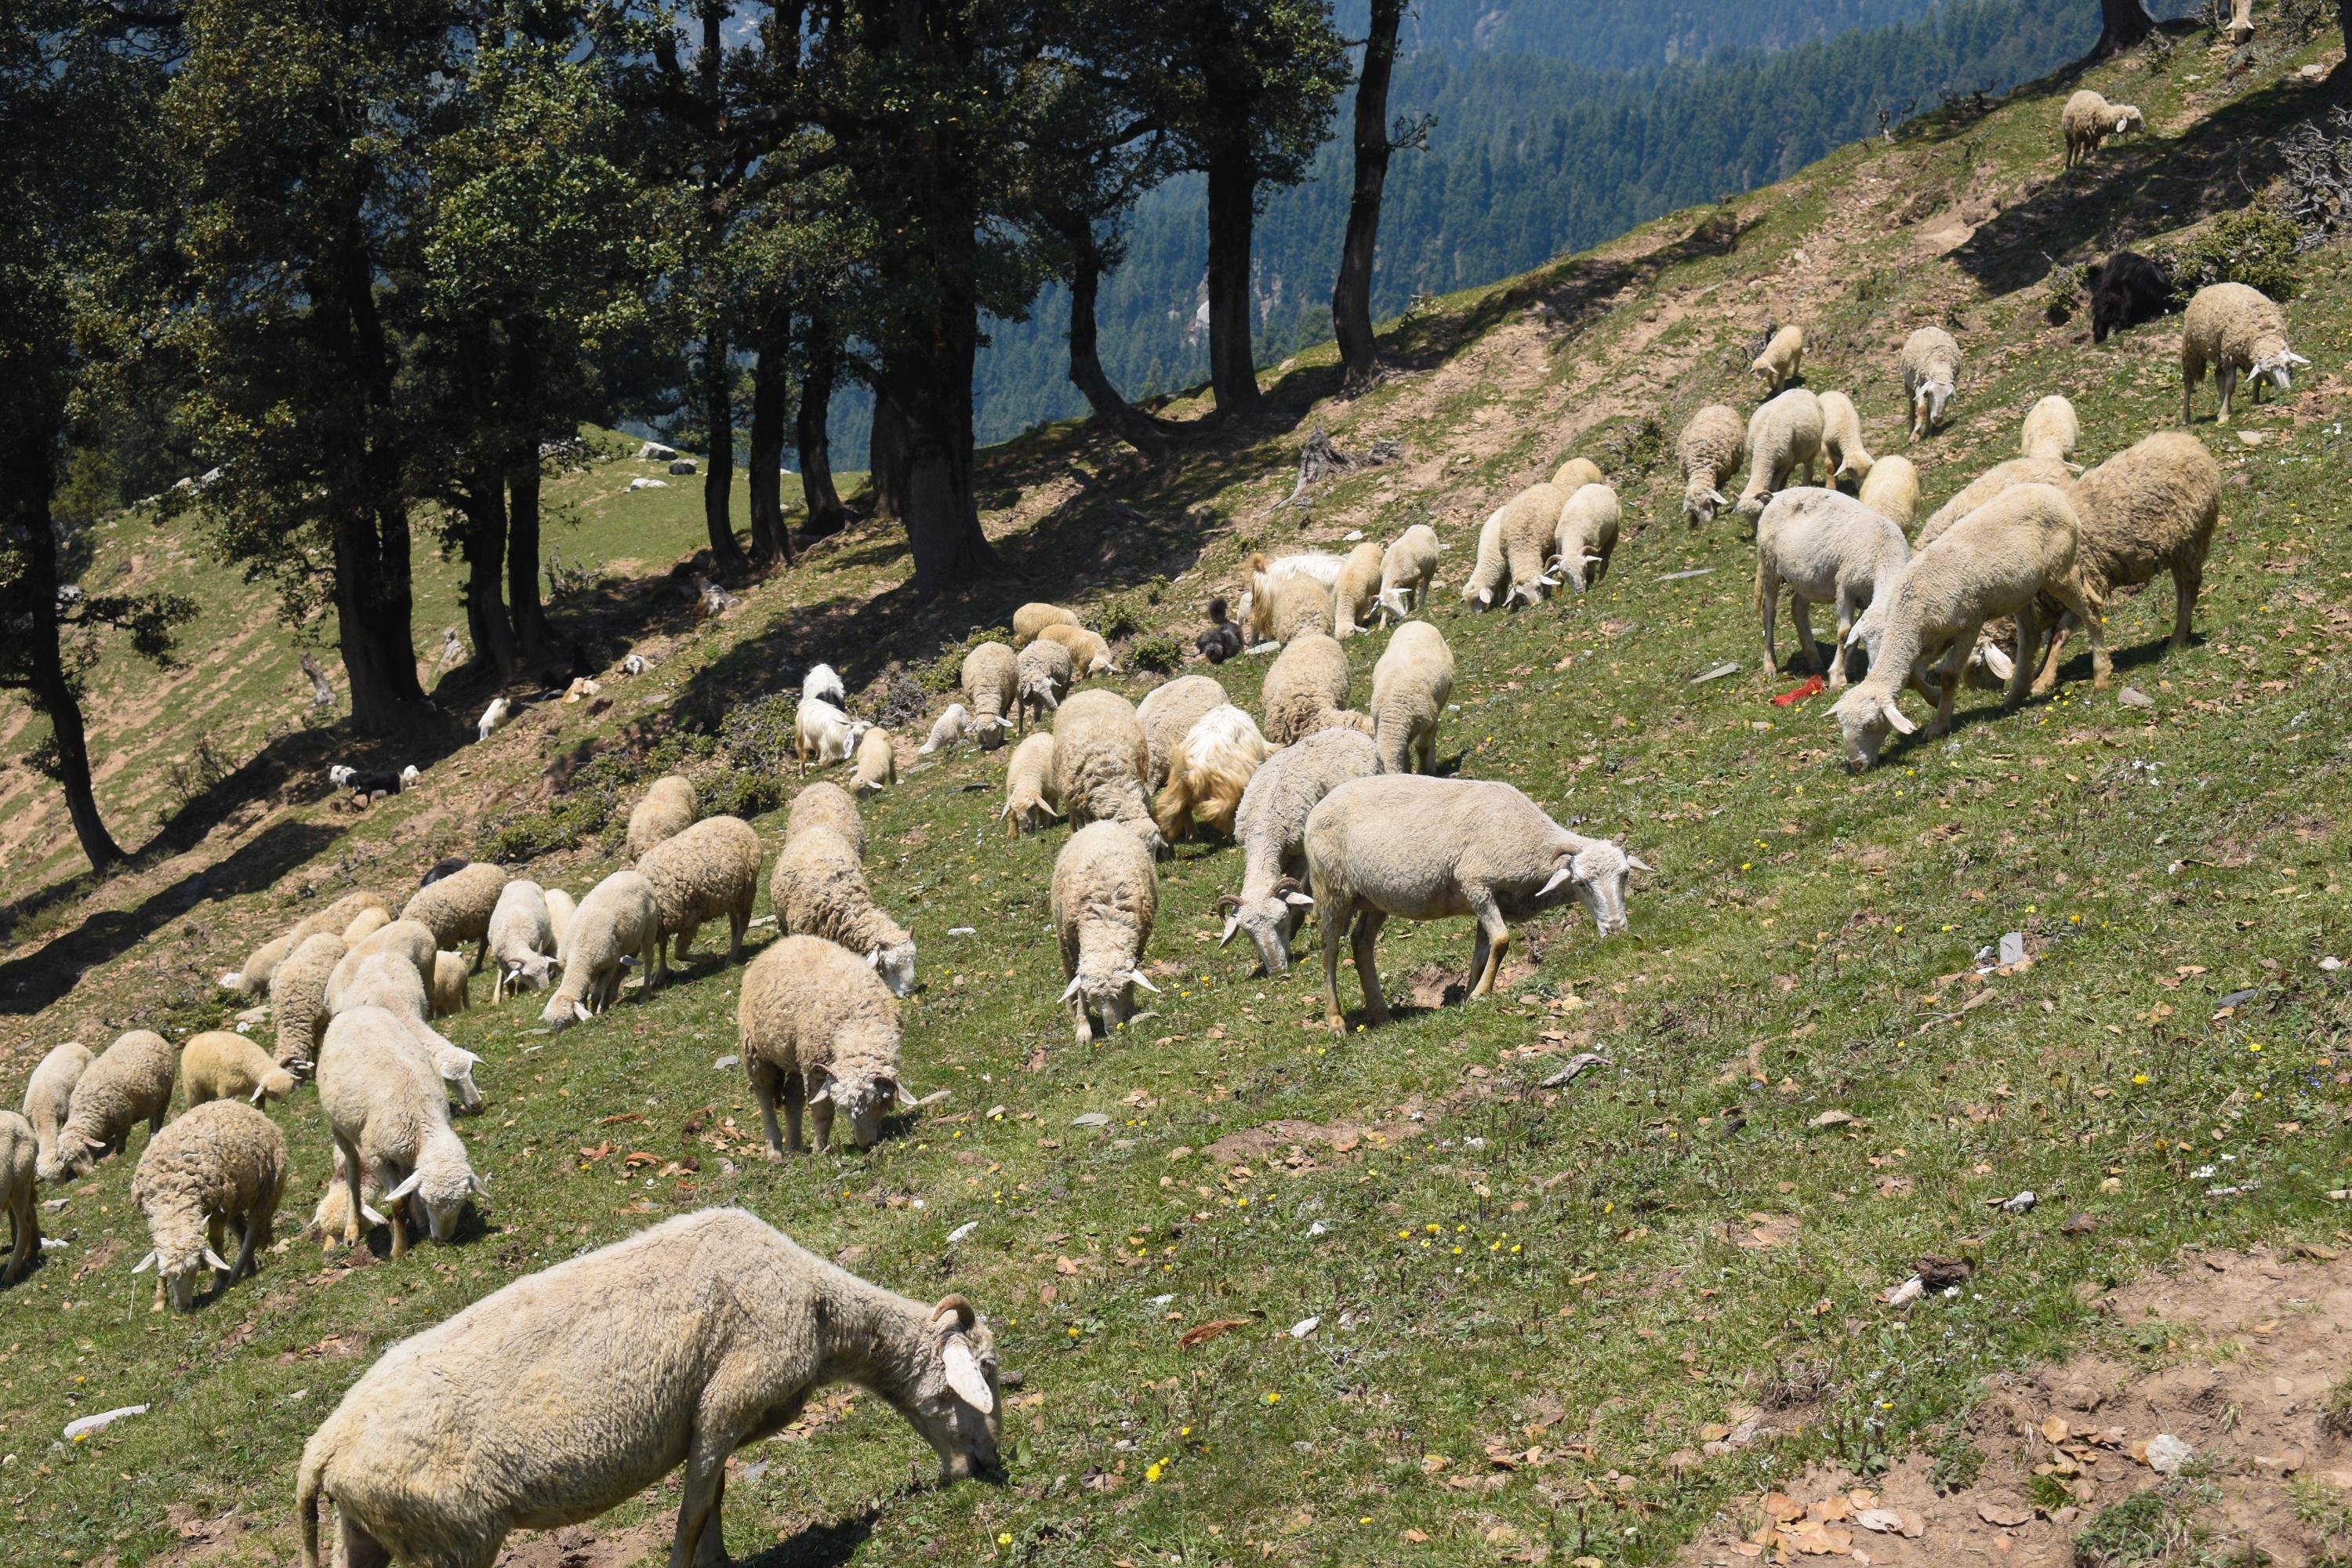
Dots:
pixel 1601 1272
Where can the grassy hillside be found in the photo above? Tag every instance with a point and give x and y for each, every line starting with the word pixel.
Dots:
pixel 1559 1321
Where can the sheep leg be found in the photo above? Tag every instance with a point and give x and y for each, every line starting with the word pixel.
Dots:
pixel 1948 679
pixel 2077 596
pixel 820 1125
pixel 2185 581
pixel 355 1548
pixel 1767 606
pixel 2225 382
pixel 1494 939
pixel 27 1229
pixel 1800 616
pixel 736 926
pixel 698 1512
pixel 2059 631
pixel 1362 941
pixel 795 1096
pixel 1335 931
pixel 1428 749
pixel 254 1227
pixel 352 1182
pixel 763 1078
pixel 2029 640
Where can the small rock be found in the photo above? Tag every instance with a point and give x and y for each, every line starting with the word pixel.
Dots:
pixel 1829 1118
pixel 683 466
pixel 1353 535
pixel 2330 964
pixel 1680 576
pixel 2022 1204
pixel 1090 1119
pixel 2078 1224
pixel 962 931
pixel 53 1244
pixel 2238 998
pixel 1163 1301
pixel 2252 437
pixel 1728 667
pixel 2133 696
pixel 641 483
pixel 54 1205
pixel 1304 1327
pixel 2006 1515
pixel 101 1421
pixel 2166 1454
pixel 959 1232
pixel 723 1063
pixel 1318 1229
pixel 1903 1295
pixel 655 452
pixel 2012 948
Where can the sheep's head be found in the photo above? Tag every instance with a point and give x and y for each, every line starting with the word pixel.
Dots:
pixel 180 1263
pixel 989 730
pixel 895 966
pixel 1702 501
pixel 76 1152
pixel 1390 601
pixel 1268 921
pixel 2277 369
pixel 1596 871
pixel 340 774
pixel 562 1011
pixel 1751 506
pixel 1104 995
pixel 1934 398
pixel 276 1084
pixel 863 1100
pixel 1532 591
pixel 535 970
pixel 952 1398
pixel 1866 714
pixel 440 1194
pixel 457 1071
pixel 2128 118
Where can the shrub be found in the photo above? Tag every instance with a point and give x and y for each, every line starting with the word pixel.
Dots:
pixel 1119 620
pixel 2255 248
pixel 758 736
pixel 1161 651
pixel 946 672
pixel 2062 294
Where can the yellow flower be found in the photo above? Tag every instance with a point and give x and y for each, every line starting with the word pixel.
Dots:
pixel 1273 1398
pixel 2139 1078
pixel 1151 1473
pixel 1004 1538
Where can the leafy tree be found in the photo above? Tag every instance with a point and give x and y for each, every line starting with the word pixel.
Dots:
pixel 1352 295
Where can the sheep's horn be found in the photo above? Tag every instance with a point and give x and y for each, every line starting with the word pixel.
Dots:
pixel 957 1307
pixel 1227 903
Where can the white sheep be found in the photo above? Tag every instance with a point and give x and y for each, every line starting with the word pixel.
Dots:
pixel 1411 684
pixel 20 1194
pixel 818 888
pixel 1030 798
pixel 448 987
pixel 1826 549
pixel 571 1390
pixel 1357 592
pixel 1043 673
pixel 388 983
pixel 1841 444
pixel 49 1102
pixel 1301 607
pixel 1427 848
pixel 1782 360
pixel 411 939
pixel 669 808
pixel 1307 690
pixel 2051 430
pixel 522 939
pixel 991 684
pixel 1166 712
pixel 1783 435
pixel 1271 828
pixel 456 909
pixel 496 716
pixel 1031 619
pixel 618 920
pixel 389 1116
pixel 819 1025
pixel 365 925
pixel 297 999
pixel 710 870
pixel 560 909
pixel 1207 773
pixel 823 733
pixel 1985 486
pixel 2235 331
pixel 223 1164
pixel 1710 450
pixel 1106 895
pixel 1931 375
pixel 1262 578
pixel 1407 568
pixel 1100 761
pixel 1892 490
pixel 252 977
pixel 946 730
pixel 1585 536
pixel 2088 120
pixel 831 807
pixel 220 1065
pixel 1531 538
pixel 1087 650
pixel 1997 561
pixel 2242 23
pixel 1574 474
pixel 878 763
pixel 822 684
pixel 1490 574
pixel 2150 508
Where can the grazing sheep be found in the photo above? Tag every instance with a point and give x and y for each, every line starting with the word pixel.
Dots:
pixel 1100 761
pixel 1576 473
pixel 331 1219
pixel 1489 572
pixel 1030 620
pixel 1307 690
pixel 1207 772
pixel 48 1100
pixel 1043 673
pixel 1264 578
pixel 819 1025
pixel 1223 639
pixel 1841 439
pixel 946 730
pixel 618 920
pixel 496 716
pixel 338 917
pixel 411 939
pixel 218 1064
pixel 1410 686
pixel 1530 539
pixel 560 908
pixel 572 1390
pixel 252 979
pixel 2237 331
pixel 2242 23
pixel 2150 508
pixel 389 983
pixel 830 806
pixel 1271 828
pixel 992 684
pixel 130 1082
pixel 223 1164
pixel 389 1116
pixel 2051 430
pixel 1427 848
pixel 1783 435
pixel 365 925
pixel 823 733
pixel 878 763
pixel 667 809
pixel 1030 798
pixel 20 1194
pixel 2126 290
pixel 1585 536
pixel 710 870
pixel 1996 560
pixel 1106 895
pixel 522 940
pixel 1985 486
pixel 818 888
pixel 1710 450
pixel 1824 549
pixel 1357 590
pixel 1087 651
pixel 822 684
pixel 457 908
pixel 1167 711
pixel 2088 120
pixel 297 999
pixel 1407 568
pixel 1301 607
pixel 1892 490
pixel 1782 360
pixel 1931 375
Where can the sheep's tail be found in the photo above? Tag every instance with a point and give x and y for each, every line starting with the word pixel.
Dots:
pixel 306 1505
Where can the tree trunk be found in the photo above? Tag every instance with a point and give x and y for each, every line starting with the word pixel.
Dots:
pixel 2340 80
pixel 1351 296
pixel 931 395
pixel 1130 425
pixel 826 515
pixel 372 601
pixel 718 479
pixel 2122 23
pixel 534 637
pixel 770 378
pixel 886 457
pixel 484 550
pixel 1232 214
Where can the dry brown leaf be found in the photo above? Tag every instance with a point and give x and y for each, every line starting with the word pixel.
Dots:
pixel 1203 1333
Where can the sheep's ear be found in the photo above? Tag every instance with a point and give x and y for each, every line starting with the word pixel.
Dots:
pixel 258 1092
pixel 581 1009
pixel 874 958
pixel 1233 924
pixel 1049 811
pixel 1894 716
pixel 404 1188
pixel 1299 900
pixel 144 1265
pixel 480 1182
pixel 1639 864
pixel 964 1377
pixel 372 1217
pixel 1136 976
pixel 1718 498
pixel 1487 597
pixel 1072 988
pixel 822 1096
pixel 899 1092
pixel 2294 358
pixel 217 1260
pixel 1567 870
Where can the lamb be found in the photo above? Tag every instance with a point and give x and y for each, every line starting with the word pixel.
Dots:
pixel 332 1216
pixel 878 763
pixel 1575 473
pixel 1030 798
pixel 2242 23
pixel 1106 895
pixel 822 684
pixel 20 1194
pixel 1841 439
pixel 1782 360
pixel 830 806
pixel 618 920
pixel 1271 828
pixel 1824 549
pixel 2150 508
pixel 1585 536
pixel 522 938
pixel 1783 435
pixel 2088 120
pixel 389 1117
pixel 1100 761
pixel 711 869
pixel 559 918
pixel 1307 690
pixel 2051 430
pixel 1426 848
pixel 389 983
pixel 2237 331
pixel 1207 772
pixel 823 733
pixel 1357 592
pixel 2126 290
pixel 730 1329
pixel 1407 568
pixel 1031 619
pixel 1166 712
pixel 667 809
pixel 1043 673
pixel 365 925
pixel 1710 450
pixel 1223 639
pixel 130 1082
pixel 1087 651
pixel 1488 572
pixel 991 684
pixel 946 730
pixel 818 1023
pixel 1301 607
pixel 496 716
pixel 223 1164
pixel 1410 686
pixel 48 1099
pixel 818 888
pixel 457 908
pixel 297 999
pixel 218 1064
pixel 253 978
pixel 1985 486
pixel 1892 490
pixel 1931 375
pixel 1996 560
